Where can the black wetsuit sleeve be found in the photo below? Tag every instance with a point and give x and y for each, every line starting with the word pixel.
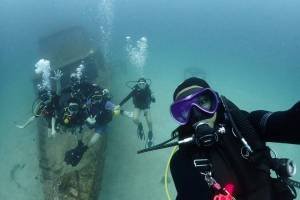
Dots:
pixel 281 126
pixel 126 98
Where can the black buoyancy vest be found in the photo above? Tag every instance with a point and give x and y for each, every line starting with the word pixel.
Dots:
pixel 103 116
pixel 142 98
pixel 251 176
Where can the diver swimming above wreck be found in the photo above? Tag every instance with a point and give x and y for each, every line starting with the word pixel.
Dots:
pixel 142 97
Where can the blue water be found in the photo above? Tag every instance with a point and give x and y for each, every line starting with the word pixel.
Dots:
pixel 247 50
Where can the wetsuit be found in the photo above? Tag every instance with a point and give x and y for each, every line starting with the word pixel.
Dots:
pixel 49 108
pixel 81 91
pixel 141 97
pixel 229 167
pixel 104 113
pixel 74 120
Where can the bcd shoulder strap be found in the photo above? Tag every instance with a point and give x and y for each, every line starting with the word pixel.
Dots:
pixel 243 125
pixel 261 153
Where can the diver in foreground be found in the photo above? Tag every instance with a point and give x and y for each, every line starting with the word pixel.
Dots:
pixel 142 97
pixel 222 150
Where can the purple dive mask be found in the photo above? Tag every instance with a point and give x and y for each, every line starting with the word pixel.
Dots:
pixel 205 101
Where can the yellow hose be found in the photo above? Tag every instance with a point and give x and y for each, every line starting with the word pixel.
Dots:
pixel 166 173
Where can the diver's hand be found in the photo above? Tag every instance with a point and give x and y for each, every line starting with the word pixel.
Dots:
pixel 91 120
pixel 153 99
pixel 117 107
pixel 117 110
pixel 57 75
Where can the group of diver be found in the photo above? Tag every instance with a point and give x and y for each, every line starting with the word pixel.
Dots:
pixel 82 103
pixel 220 147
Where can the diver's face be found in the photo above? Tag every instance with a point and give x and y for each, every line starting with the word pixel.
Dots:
pixel 200 104
pixel 97 98
pixel 142 85
pixel 73 108
pixel 46 98
pixel 200 116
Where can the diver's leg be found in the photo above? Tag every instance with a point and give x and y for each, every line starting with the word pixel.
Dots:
pixel 136 116
pixel 79 134
pixel 136 120
pixel 147 115
pixel 26 123
pixel 94 139
pixel 99 131
pixel 53 131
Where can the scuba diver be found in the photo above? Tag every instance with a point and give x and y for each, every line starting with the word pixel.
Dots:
pixel 100 111
pixel 73 99
pixel 80 89
pixel 222 150
pixel 72 115
pixel 47 105
pixel 142 97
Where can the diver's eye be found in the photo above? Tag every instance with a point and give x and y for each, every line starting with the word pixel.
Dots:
pixel 204 102
pixel 141 84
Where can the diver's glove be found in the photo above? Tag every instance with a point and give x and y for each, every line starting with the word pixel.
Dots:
pixel 74 156
pixel 91 121
pixel 153 99
pixel 140 132
pixel 57 75
pixel 117 110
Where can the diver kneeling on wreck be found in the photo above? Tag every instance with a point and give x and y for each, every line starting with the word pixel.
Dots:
pixel 99 110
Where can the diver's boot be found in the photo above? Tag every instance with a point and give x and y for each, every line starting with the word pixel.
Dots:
pixel 140 131
pixel 150 137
